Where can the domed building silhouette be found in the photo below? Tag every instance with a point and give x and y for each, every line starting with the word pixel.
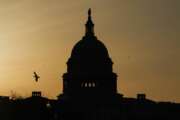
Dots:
pixel 89 85
pixel 89 67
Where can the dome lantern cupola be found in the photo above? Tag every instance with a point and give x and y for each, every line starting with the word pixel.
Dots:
pixel 89 25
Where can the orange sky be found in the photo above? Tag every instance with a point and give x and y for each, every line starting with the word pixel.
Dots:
pixel 142 36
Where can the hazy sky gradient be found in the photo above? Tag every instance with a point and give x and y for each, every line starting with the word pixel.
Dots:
pixel 142 36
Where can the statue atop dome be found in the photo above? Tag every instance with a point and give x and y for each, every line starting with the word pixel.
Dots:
pixel 89 12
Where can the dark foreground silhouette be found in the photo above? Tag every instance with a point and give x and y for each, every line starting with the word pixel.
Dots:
pixel 40 108
pixel 89 92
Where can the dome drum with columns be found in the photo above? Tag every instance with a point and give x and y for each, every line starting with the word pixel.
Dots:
pixel 89 68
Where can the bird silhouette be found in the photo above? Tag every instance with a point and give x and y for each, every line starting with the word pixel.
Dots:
pixel 36 76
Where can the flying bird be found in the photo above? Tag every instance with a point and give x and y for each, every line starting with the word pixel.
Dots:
pixel 36 76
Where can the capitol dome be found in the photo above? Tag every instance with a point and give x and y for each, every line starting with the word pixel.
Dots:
pixel 89 68
pixel 88 48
